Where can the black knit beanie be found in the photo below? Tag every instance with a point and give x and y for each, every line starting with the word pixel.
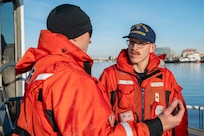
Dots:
pixel 69 20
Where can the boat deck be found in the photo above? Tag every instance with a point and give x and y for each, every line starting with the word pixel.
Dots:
pixel 196 132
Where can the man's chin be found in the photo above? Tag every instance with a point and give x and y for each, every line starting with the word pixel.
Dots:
pixel 134 60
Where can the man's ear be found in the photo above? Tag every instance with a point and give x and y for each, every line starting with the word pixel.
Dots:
pixel 152 47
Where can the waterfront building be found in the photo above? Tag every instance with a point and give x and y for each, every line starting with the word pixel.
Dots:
pixel 165 50
pixel 190 55
pixel 187 52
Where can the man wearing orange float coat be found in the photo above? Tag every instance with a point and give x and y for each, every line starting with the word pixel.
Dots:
pixel 139 85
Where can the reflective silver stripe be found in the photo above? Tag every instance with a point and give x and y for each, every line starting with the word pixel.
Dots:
pixel 43 76
pixel 125 82
pixel 127 128
pixel 157 84
pixel 162 64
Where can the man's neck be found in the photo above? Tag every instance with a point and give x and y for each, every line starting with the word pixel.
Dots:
pixel 140 67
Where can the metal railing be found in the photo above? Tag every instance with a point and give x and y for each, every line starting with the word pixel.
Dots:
pixel 200 112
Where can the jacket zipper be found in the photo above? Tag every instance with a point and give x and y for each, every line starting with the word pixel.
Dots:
pixel 143 102
pixel 143 90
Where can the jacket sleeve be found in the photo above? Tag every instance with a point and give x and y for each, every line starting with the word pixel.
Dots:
pixel 182 128
pixel 151 127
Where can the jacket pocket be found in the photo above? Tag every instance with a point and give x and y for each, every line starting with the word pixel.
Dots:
pixel 126 96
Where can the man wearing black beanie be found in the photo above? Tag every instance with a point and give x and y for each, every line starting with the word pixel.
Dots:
pixel 68 20
pixel 61 96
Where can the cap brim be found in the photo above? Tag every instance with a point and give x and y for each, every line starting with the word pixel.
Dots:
pixel 136 36
pixel 126 36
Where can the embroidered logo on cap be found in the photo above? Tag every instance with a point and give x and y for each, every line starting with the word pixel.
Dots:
pixel 138 28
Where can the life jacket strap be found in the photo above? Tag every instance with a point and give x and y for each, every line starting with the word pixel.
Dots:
pixel 21 132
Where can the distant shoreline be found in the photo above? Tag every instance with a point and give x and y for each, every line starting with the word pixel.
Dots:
pixel 107 60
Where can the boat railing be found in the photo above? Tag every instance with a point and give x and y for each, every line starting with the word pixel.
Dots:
pixel 200 113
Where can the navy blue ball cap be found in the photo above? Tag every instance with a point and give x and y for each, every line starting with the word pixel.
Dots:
pixel 142 32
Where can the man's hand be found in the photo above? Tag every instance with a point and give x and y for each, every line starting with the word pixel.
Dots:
pixel 173 115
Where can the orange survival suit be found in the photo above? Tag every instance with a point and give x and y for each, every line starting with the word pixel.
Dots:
pixel 136 98
pixel 61 96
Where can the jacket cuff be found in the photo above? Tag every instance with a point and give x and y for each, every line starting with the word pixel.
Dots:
pixel 155 126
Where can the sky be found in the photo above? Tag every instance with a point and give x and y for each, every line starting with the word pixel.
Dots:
pixel 178 24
